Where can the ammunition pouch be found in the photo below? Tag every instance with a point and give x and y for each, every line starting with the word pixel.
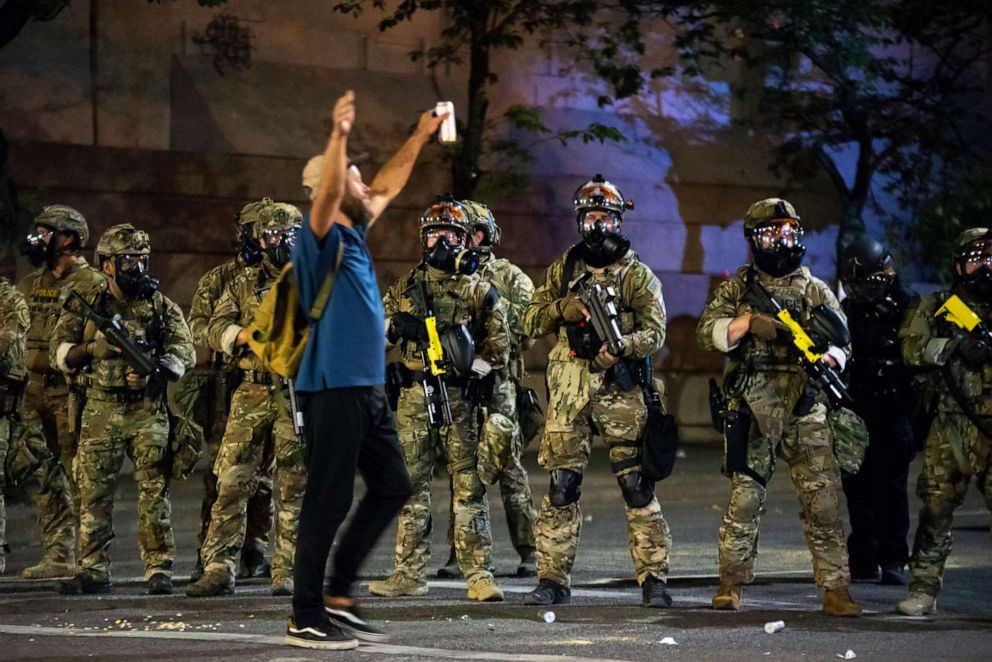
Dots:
pixel 736 430
pixel 529 414
pixel 480 390
pixel 850 439
pixel 582 340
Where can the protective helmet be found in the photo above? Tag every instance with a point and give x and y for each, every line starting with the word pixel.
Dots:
pixel 866 269
pixel 249 249
pixel 311 174
pixel 279 216
pixel 775 232
pixel 123 239
pixel 481 218
pixel 64 219
pixel 251 213
pixel 599 194
pixel 974 247
pixel 445 212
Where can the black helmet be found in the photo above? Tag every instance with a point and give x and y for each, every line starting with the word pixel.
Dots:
pixel 866 269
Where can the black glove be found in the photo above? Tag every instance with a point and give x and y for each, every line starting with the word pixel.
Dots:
pixel 975 351
pixel 407 327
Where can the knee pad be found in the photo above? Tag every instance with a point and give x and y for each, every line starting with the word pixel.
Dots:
pixel 565 487
pixel 637 490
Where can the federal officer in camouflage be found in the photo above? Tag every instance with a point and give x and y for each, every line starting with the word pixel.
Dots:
pixel 764 384
pixel 501 442
pixel 60 233
pixel 585 397
pixel 24 453
pixel 959 446
pixel 456 298
pixel 124 413
pixel 259 433
pixel 216 382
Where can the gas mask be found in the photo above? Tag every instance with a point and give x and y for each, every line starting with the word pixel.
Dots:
pixel 278 247
pixel 449 256
pixel 777 247
pixel 132 276
pixel 602 247
pixel 978 283
pixel 37 251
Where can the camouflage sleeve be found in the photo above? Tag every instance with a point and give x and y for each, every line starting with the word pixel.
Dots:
pixel 178 339
pixel 225 320
pixel 495 348
pixel 208 291
pixel 15 319
pixel 543 314
pixel 720 310
pixel 516 292
pixel 391 304
pixel 643 294
pixel 68 331
pixel 920 345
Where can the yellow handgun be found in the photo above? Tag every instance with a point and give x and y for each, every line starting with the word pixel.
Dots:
pixel 958 313
pixel 800 338
pixel 435 353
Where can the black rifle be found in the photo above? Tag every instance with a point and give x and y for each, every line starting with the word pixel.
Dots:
pixel 139 354
pixel 432 355
pixel 811 351
pixel 600 302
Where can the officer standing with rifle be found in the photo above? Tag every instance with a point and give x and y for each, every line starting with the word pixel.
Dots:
pixel 451 327
pixel 259 431
pixel 597 385
pixel 949 332
pixel 50 401
pixel 131 339
pixel 501 441
pixel 882 387
pixel 219 378
pixel 778 383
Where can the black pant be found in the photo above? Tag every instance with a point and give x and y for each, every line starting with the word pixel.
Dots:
pixel 345 428
pixel 877 497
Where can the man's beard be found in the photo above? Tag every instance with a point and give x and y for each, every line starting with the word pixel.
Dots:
pixel 355 209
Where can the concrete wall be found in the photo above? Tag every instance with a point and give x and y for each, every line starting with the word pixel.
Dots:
pixel 161 133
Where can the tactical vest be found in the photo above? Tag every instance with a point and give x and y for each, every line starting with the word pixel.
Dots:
pixel 796 293
pixel 975 384
pixel 144 321
pixel 44 295
pixel 250 287
pixel 451 298
pixel 613 276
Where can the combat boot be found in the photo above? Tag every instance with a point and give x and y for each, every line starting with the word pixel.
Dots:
pixel 838 602
pixel 213 582
pixel 48 568
pixel 282 586
pixel 484 589
pixel 654 593
pixel 160 584
pixel 528 566
pixel 917 603
pixel 729 596
pixel 397 585
pixel 84 583
pixel 197 572
pixel 549 592
pixel 253 564
pixel 450 569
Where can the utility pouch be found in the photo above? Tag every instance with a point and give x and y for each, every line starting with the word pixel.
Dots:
pixel 661 440
pixel 529 413
pixel 736 427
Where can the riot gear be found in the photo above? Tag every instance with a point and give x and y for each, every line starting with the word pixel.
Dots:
pixel 57 220
pixel 974 263
pixel 133 278
pixel 130 250
pixel 447 222
pixel 866 269
pixel 774 230
pixel 602 242
pixel 481 218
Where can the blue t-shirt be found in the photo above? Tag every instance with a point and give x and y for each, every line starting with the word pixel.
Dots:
pixel 347 345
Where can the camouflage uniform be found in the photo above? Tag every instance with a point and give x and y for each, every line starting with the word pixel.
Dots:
pixel 258 436
pixel 213 378
pixel 582 401
pixel 24 452
pixel 772 385
pixel 120 418
pixel 955 451
pixel 456 299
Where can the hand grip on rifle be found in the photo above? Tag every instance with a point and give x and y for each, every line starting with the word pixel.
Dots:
pixel 600 301
pixel 111 327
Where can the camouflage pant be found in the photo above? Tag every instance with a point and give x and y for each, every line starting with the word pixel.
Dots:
pixel 955 452
pixel 804 443
pixel 199 395
pixel 109 430
pixel 47 407
pixel 25 457
pixel 458 443
pixel 514 486
pixel 259 433
pixel 619 418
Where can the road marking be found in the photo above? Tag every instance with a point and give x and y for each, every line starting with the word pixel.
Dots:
pixel 378 649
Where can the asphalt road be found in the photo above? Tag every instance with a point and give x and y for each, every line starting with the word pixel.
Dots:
pixel 604 620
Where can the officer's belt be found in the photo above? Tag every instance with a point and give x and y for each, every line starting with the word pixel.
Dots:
pixel 124 396
pixel 449 378
pixel 259 377
pixel 49 379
